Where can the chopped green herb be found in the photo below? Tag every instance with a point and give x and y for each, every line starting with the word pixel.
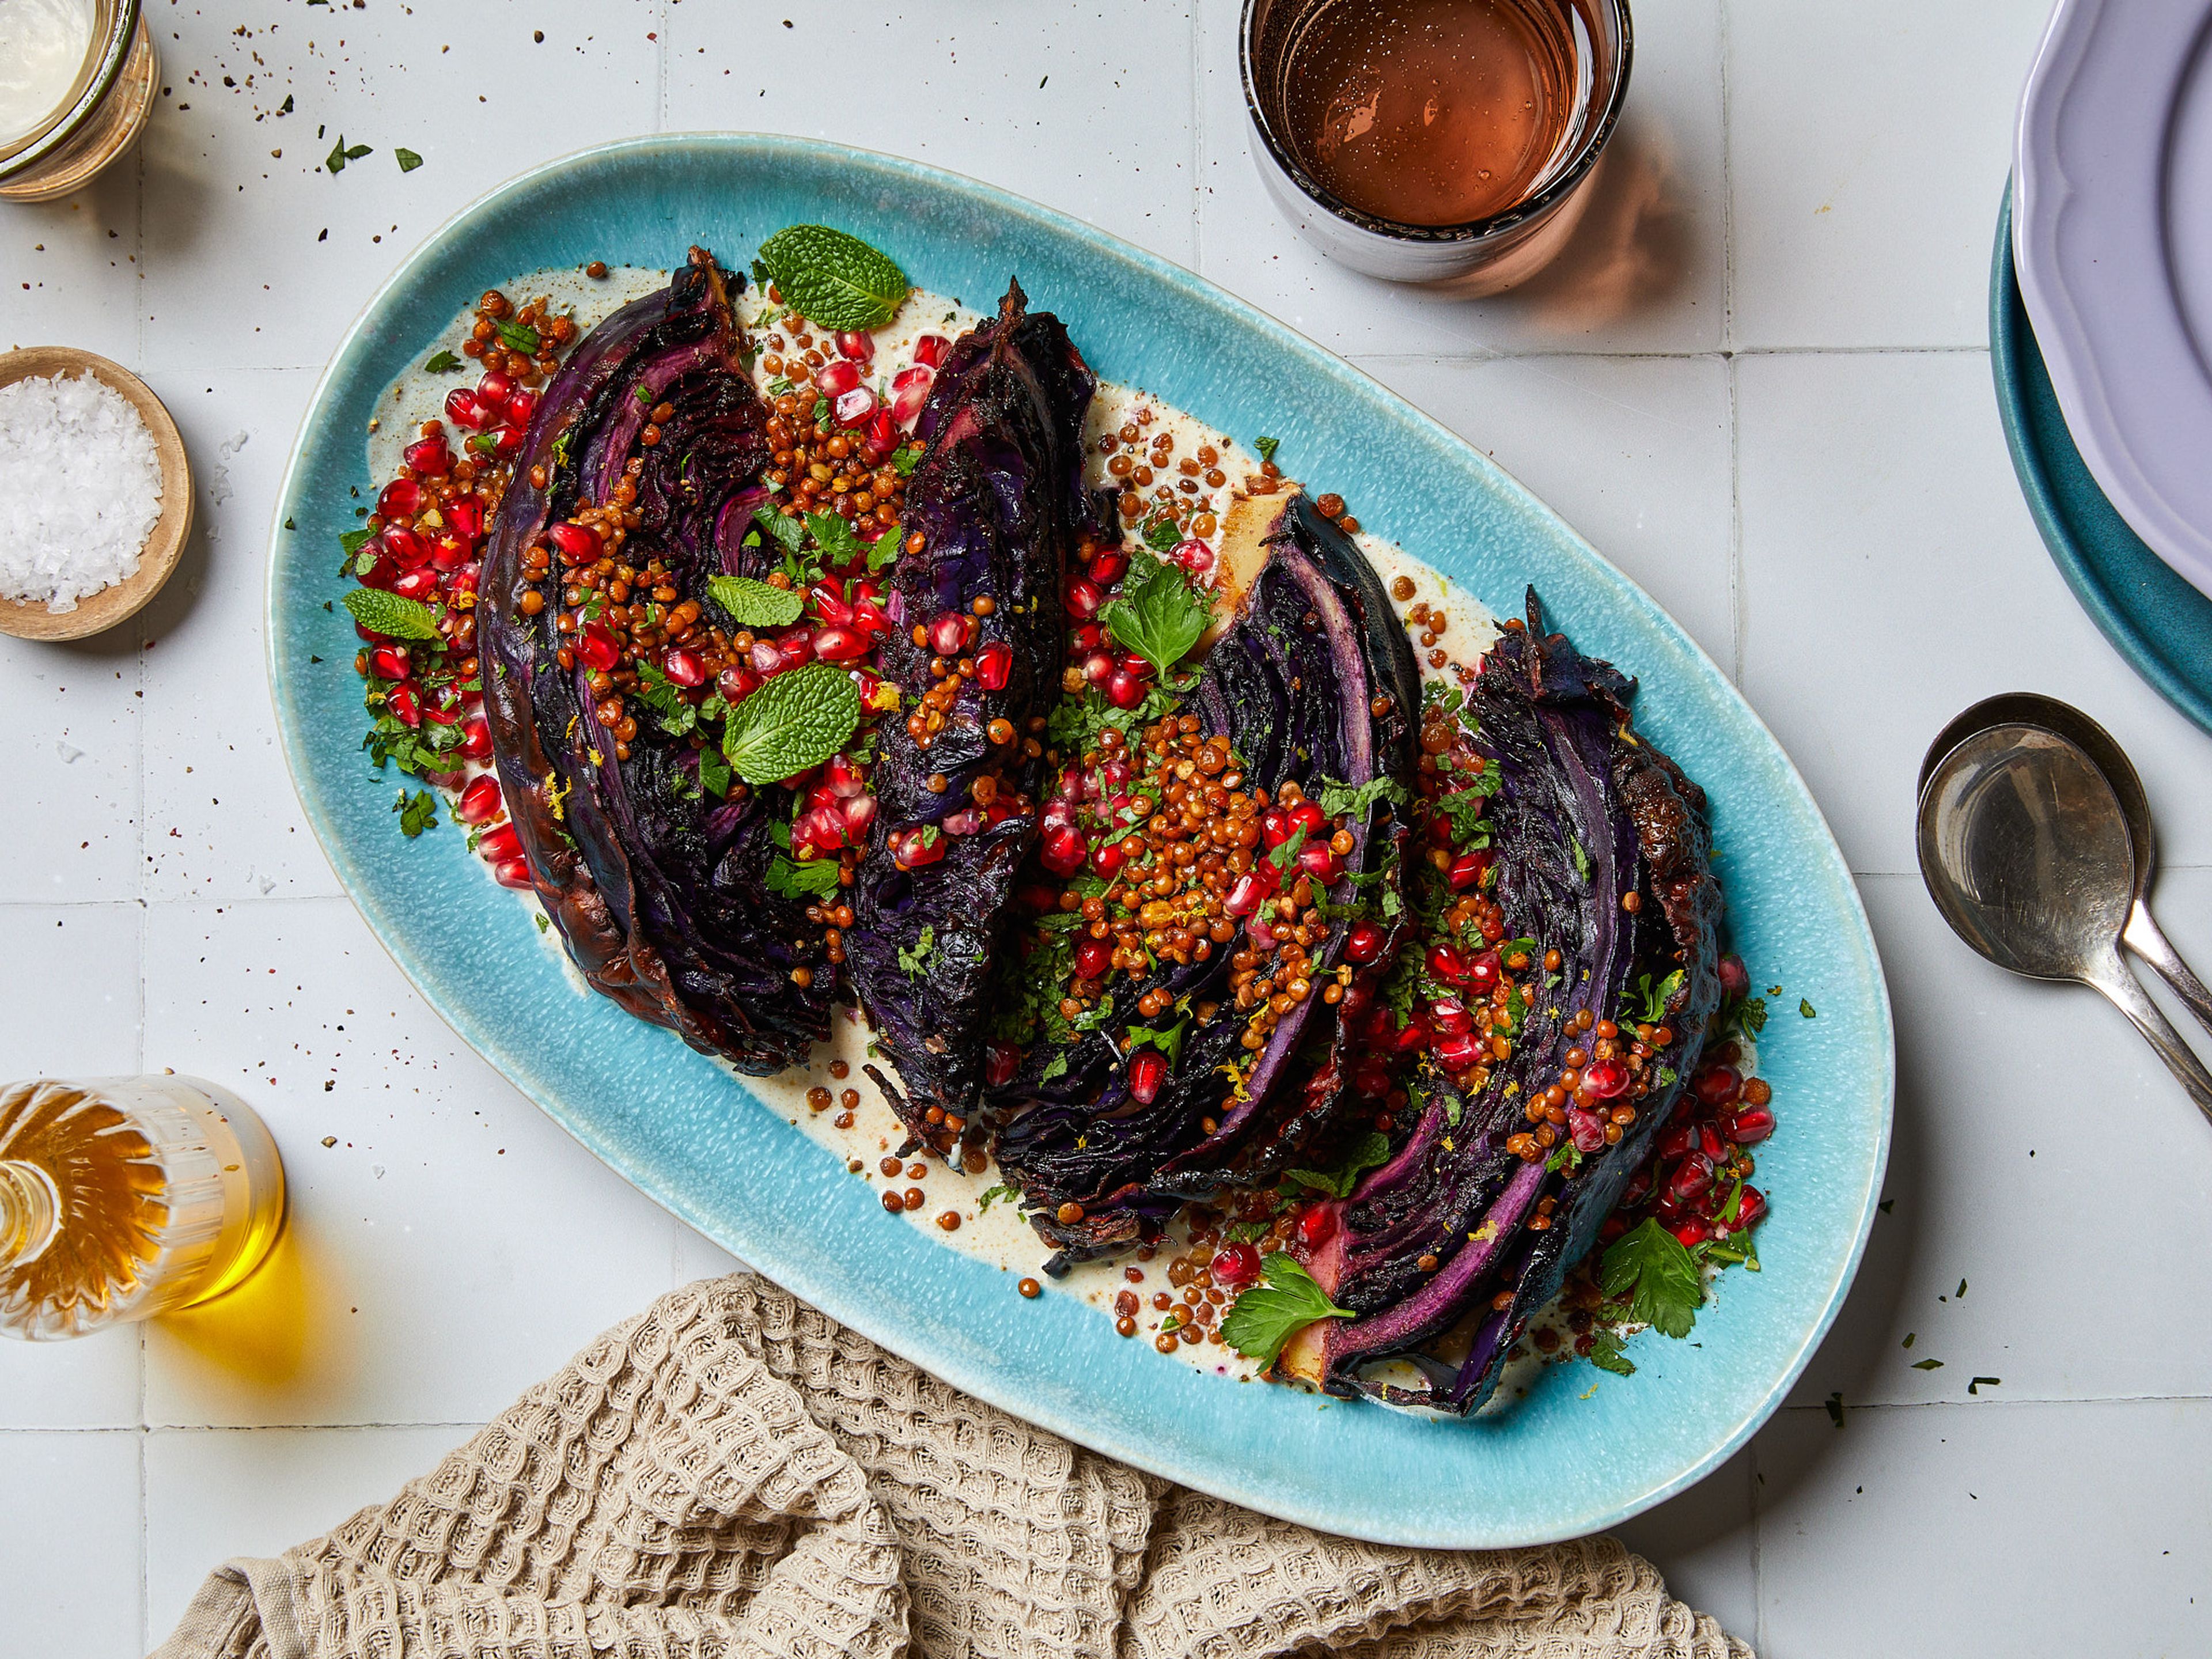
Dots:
pixel 790 878
pixel 519 336
pixel 993 1194
pixel 1927 1364
pixel 408 160
pixel 1266 1316
pixel 1806 1009
pixel 417 812
pixel 1169 1043
pixel 441 363
pixel 1266 446
pixel 1605 1353
pixel 916 963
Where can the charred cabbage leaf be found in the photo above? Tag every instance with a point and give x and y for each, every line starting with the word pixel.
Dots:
pixel 658 883
pixel 998 501
pixel 1313 682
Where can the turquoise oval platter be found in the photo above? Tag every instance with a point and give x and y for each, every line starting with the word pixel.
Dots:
pixel 1585 1450
pixel 2152 615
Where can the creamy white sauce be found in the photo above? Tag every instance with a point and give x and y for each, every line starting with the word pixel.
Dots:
pixel 995 1232
pixel 43 46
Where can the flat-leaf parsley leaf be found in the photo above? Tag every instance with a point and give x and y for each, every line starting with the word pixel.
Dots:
pixel 1267 1316
pixel 1158 616
pixel 1656 1277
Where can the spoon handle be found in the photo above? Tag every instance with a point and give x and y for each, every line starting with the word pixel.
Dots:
pixel 2144 937
pixel 2127 994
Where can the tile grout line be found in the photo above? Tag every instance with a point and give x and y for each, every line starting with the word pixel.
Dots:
pixel 1739 597
pixel 145 1546
pixel 1197 135
pixel 660 66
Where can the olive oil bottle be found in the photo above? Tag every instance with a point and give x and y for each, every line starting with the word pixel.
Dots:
pixel 121 1198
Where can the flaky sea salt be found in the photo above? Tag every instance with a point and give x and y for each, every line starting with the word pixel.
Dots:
pixel 79 489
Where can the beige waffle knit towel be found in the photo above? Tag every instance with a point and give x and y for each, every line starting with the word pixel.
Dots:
pixel 734 1473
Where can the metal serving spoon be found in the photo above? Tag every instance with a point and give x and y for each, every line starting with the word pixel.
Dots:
pixel 2142 934
pixel 2025 850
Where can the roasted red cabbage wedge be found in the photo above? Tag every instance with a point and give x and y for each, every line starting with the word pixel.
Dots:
pixel 998 500
pixel 1314 681
pixel 1589 813
pixel 659 888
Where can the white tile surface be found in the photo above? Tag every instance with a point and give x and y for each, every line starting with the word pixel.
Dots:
pixel 1986 1531
pixel 212 1494
pixel 450 1248
pixel 223 822
pixel 1644 272
pixel 1079 105
pixel 1868 151
pixel 1891 576
pixel 70 1566
pixel 1632 451
pixel 1841 527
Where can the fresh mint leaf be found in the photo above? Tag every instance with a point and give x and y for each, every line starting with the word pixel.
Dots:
pixel 1466 808
pixel 793 722
pixel 788 878
pixel 1162 533
pixel 1342 800
pixel 1158 616
pixel 832 279
pixel 408 160
pixel 417 812
pixel 441 363
pixel 713 773
pixel 904 458
pixel 1806 1009
pixel 1285 856
pixel 519 336
pixel 339 155
pixel 1581 858
pixel 755 604
pixel 1655 1278
pixel 839 546
pixel 1266 446
pixel 1649 1006
pixel 392 615
pixel 1169 1043
pixel 1369 1152
pixel 789 533
pixel 993 1194
pixel 1267 1316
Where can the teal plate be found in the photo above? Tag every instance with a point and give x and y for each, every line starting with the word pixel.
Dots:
pixel 2151 614
pixel 1583 1450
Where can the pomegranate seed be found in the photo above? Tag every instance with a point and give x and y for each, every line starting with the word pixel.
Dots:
pixel 1275 826
pixel 495 388
pixel 1109 859
pixel 1236 1265
pixel 596 647
pixel 1317 1226
pixel 419 583
pixel 1717 1086
pixel 1110 567
pixel 1001 1061
pixel 464 517
pixel 580 541
pixel 1446 964
pixel 1321 864
pixel 1133 662
pixel 1586 1129
pixel 1307 816
pixel 911 848
pixel 1751 1126
pixel 1092 957
pixel 521 406
pixel 1482 973
pixel 837 378
pixel 1735 978
pixel 430 456
pixel 1097 667
pixel 1468 868
pixel 476 739
pixel 1692 1233
pixel 1678 1139
pixel 402 499
pixel 868 616
pixel 1125 689
pixel 683 668
pixel 1249 891
pixel 1750 1207
pixel 497 846
pixel 449 551
pixel 1604 1078
pixel 1638 1187
pixel 406 548
pixel 737 683
pixel 1693 1178
pixel 840 644
pixel 794 648
pixel 948 634
pixel 1148 1069
pixel 1458 1054
pixel 826 599
pixel 513 873
pixel 1064 850
pixel 479 802
pixel 464 408
pixel 766 658
pixel 855 408
pixel 882 433
pixel 1449 1018
pixel 1194 556
pixel 857 344
pixel 1364 943
pixel 1089 637
pixel 510 439
pixel 1084 599
pixel 929 349
pixel 1372 1080
pixel 994 665
pixel 390 662
pixel 820 829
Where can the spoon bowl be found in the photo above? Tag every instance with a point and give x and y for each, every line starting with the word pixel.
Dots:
pixel 2025 848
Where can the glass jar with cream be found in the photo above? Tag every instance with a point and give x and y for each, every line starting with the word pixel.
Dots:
pixel 77 81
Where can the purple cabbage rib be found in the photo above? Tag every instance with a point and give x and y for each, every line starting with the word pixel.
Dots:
pixel 659 890
pixel 1314 680
pixel 1588 812
pixel 997 499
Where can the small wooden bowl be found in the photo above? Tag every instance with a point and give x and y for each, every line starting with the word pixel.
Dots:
pixel 120 601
